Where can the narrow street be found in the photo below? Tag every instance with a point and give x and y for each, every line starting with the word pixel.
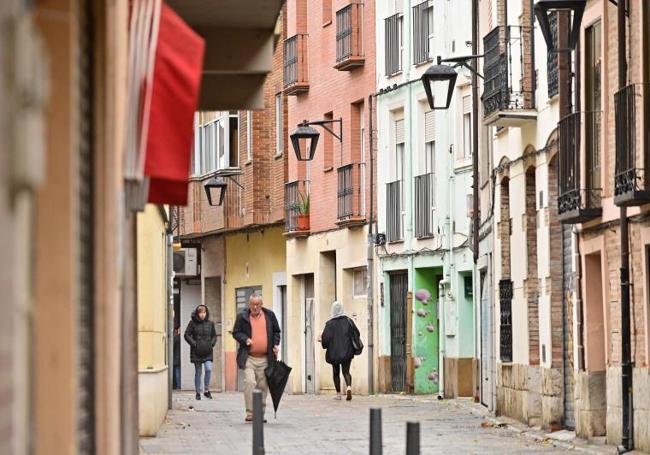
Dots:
pixel 320 425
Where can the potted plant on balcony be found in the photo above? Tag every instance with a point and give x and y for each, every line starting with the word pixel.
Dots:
pixel 303 212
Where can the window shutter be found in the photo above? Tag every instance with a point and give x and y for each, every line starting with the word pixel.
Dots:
pixel 399 131
pixel 467 104
pixel 429 126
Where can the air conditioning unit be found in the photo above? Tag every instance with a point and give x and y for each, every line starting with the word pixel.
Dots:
pixel 186 262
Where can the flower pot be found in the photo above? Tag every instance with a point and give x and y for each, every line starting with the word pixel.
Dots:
pixel 303 222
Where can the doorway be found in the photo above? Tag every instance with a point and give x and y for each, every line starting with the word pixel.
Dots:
pixel 309 332
pixel 398 314
pixel 487 347
pixel 241 301
pixel 212 299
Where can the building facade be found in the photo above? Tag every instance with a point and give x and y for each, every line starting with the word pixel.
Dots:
pixel 521 267
pixel 329 75
pixel 235 249
pixel 605 169
pixel 426 312
pixel 153 318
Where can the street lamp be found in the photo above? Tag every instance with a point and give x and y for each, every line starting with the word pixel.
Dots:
pixel 439 78
pixel 308 136
pixel 305 138
pixel 543 7
pixel 215 189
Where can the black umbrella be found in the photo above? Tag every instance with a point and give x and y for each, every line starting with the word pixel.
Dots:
pixel 277 375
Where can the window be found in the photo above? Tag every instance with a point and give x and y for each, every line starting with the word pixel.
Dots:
pixel 394 26
pixel 429 142
pixel 279 131
pixel 327 12
pixel 233 139
pixel 422 32
pixel 216 142
pixel 328 145
pixel 362 160
pixel 360 282
pixel 593 63
pixel 466 151
pixel 249 135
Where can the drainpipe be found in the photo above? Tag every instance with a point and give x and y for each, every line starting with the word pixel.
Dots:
pixel 475 183
pixel 371 242
pixel 626 360
pixel 170 315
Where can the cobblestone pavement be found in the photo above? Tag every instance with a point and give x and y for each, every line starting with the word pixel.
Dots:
pixel 320 425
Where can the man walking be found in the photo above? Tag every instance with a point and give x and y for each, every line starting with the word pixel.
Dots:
pixel 258 333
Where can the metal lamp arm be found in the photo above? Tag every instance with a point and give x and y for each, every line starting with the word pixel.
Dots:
pixel 229 177
pixel 325 123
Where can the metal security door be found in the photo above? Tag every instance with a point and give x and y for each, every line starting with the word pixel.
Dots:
pixel 310 361
pixel 85 240
pixel 241 300
pixel 398 291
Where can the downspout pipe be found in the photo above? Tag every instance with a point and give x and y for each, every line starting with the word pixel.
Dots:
pixel 370 258
pixel 627 440
pixel 475 194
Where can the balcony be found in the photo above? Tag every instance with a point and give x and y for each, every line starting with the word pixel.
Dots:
pixel 350 195
pixel 296 206
pixel 580 199
pixel 631 186
pixel 424 206
pixel 505 321
pixel 349 37
pixel 296 79
pixel 394 212
pixel 508 91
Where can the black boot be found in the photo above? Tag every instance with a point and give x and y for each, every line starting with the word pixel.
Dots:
pixel 208 395
pixel 198 396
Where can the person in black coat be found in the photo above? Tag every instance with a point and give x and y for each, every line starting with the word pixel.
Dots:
pixel 337 340
pixel 201 335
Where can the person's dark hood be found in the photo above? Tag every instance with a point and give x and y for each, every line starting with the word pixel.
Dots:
pixel 195 316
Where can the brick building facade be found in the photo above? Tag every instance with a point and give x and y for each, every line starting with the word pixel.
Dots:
pixel 329 75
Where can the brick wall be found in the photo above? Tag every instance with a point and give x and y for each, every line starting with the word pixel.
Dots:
pixel 330 90
pixel 504 229
pixel 555 284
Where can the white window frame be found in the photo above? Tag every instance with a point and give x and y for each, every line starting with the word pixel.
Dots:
pixel 249 136
pixel 467 136
pixel 279 126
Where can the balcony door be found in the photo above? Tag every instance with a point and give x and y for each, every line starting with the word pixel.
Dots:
pixel 593 105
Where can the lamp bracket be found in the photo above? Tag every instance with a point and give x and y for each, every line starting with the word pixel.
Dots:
pixel 462 61
pixel 325 123
pixel 229 177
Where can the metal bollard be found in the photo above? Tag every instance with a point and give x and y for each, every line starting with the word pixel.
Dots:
pixel 375 432
pixel 258 423
pixel 412 438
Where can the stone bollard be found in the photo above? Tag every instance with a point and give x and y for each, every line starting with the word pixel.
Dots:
pixel 258 423
pixel 412 438
pixel 375 432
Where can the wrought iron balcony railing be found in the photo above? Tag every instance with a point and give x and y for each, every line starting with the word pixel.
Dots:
pixel 505 320
pixel 349 37
pixel 424 205
pixel 579 197
pixel 631 185
pixel 552 61
pixel 295 65
pixel 350 195
pixel 394 214
pixel 508 76
pixel 295 194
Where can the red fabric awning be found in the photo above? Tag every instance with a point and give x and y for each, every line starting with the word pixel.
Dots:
pixel 174 99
